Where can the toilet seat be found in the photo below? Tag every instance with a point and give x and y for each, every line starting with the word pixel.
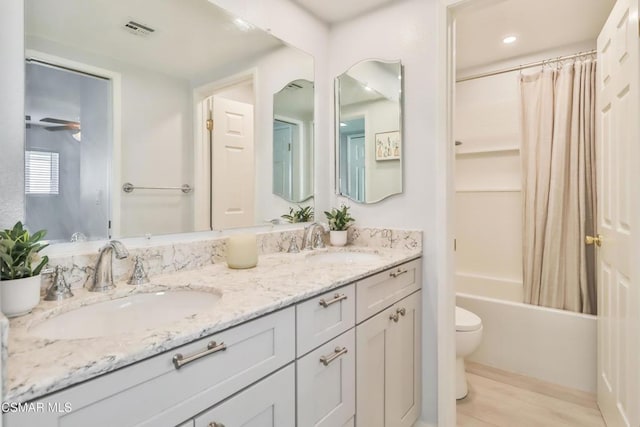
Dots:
pixel 467 321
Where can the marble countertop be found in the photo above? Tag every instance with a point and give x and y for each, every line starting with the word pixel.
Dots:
pixel 37 366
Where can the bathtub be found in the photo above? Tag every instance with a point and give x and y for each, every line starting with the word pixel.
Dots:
pixel 552 345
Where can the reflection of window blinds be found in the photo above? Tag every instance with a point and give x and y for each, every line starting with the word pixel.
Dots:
pixel 41 170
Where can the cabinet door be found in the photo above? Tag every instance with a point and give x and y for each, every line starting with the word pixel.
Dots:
pixel 403 369
pixel 268 403
pixel 371 359
pixel 388 380
pixel 326 383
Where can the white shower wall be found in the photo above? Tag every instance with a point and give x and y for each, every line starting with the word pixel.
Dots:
pixel 488 179
pixel 488 196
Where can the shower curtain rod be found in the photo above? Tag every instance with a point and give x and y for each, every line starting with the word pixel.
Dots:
pixel 522 67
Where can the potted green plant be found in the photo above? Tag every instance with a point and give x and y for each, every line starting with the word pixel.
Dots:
pixel 20 267
pixel 299 215
pixel 339 221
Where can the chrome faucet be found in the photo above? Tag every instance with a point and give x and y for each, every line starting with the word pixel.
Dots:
pixel 103 275
pixel 312 238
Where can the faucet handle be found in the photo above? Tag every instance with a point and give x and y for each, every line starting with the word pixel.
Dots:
pixel 293 245
pixel 139 276
pixel 59 288
pixel 318 241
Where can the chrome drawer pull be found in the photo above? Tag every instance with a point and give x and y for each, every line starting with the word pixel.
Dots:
pixel 325 360
pixel 215 424
pixel 400 272
pixel 179 360
pixel 395 317
pixel 336 298
pixel 401 311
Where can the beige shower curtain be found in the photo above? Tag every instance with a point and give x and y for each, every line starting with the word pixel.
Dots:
pixel 559 200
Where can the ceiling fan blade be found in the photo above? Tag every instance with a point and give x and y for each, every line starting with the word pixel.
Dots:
pixel 59 128
pixel 59 121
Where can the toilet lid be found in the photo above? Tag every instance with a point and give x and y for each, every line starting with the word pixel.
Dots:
pixel 466 320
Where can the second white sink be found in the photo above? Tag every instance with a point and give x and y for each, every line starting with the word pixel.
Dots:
pixel 125 315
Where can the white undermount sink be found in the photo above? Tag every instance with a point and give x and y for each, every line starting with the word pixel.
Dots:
pixel 345 257
pixel 125 315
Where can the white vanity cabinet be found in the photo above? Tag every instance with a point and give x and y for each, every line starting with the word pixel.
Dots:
pixel 347 357
pixel 388 347
pixel 268 403
pixel 156 393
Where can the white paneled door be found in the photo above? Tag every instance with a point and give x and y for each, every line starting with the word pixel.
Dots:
pixel 232 164
pixel 618 158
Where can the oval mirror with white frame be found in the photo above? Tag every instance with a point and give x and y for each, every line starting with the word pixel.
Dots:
pixel 369 131
pixel 293 141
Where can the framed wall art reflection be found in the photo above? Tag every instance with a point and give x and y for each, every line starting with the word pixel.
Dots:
pixel 388 145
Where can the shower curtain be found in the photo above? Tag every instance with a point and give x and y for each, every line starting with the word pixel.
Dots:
pixel 559 199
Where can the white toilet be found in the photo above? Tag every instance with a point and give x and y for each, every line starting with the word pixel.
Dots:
pixel 468 336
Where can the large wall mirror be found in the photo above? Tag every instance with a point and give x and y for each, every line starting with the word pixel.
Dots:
pixel 369 148
pixel 152 117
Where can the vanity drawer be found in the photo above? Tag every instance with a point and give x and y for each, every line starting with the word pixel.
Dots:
pixel 379 291
pixel 324 317
pixel 268 403
pixel 155 393
pixel 326 383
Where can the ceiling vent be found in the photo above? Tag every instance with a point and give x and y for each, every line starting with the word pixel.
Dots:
pixel 138 29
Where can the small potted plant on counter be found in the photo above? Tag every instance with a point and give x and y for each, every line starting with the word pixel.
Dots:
pixel 339 221
pixel 299 215
pixel 20 267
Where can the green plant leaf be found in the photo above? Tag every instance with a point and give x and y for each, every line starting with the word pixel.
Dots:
pixel 18 251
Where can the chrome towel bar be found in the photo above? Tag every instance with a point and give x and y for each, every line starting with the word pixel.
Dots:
pixel 128 187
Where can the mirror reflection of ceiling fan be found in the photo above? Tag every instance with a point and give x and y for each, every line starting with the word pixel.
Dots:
pixel 55 125
pixel 62 124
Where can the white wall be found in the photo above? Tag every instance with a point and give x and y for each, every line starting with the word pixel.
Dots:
pixel 406 31
pixel 12 112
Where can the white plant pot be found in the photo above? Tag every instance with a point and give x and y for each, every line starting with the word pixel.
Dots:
pixel 19 296
pixel 338 238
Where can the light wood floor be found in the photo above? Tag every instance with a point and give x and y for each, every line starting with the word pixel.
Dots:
pixel 501 399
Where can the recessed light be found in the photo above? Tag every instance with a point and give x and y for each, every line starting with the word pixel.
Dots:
pixel 342 124
pixel 368 88
pixel 509 39
pixel 242 25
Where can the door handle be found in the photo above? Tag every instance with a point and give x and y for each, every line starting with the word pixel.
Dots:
pixel 593 240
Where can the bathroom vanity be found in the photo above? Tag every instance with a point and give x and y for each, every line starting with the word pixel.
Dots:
pixel 301 340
